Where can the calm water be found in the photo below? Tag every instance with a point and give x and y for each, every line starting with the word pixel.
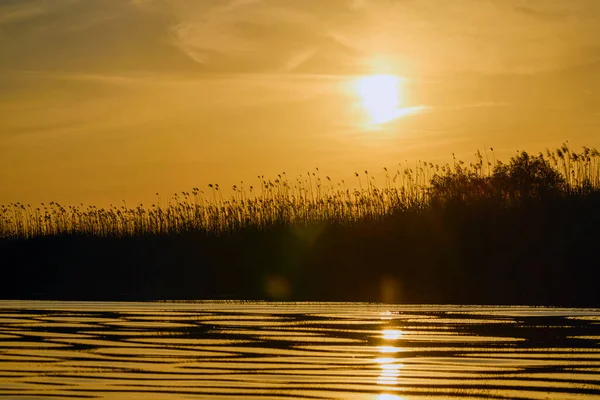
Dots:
pixel 224 350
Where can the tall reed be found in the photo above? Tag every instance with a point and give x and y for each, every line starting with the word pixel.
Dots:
pixel 311 199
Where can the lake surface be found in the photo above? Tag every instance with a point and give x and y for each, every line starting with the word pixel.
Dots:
pixel 227 350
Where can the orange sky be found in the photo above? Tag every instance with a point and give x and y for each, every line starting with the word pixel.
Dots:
pixel 103 101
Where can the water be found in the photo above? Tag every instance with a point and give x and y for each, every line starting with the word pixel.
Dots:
pixel 227 350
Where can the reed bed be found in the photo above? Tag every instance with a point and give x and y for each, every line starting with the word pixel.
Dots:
pixel 312 199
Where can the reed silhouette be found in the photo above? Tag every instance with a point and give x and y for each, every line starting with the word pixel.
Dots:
pixel 525 231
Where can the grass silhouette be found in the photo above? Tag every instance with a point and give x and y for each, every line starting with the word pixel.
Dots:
pixel 525 231
pixel 310 199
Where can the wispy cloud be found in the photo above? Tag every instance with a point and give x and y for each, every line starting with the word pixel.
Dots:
pixel 483 104
pixel 298 59
pixel 24 10
pixel 414 37
pixel 255 35
pixel 104 78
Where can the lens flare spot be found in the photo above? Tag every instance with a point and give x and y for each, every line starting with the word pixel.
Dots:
pixel 277 287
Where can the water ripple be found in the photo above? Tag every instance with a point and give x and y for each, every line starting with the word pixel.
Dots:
pixel 296 350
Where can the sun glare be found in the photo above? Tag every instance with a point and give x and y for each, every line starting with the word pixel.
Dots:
pixel 380 97
pixel 391 334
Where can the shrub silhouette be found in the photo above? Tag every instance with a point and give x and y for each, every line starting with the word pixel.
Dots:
pixel 527 177
pixel 524 177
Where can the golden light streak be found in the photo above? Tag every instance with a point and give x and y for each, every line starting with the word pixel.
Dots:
pixel 392 334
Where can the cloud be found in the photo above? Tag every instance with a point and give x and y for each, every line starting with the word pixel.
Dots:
pixel 412 37
pixel 112 78
pixel 257 35
pixel 483 104
pixel 17 11
pixel 87 36
pixel 296 60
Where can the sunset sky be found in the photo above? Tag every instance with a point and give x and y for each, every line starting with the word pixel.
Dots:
pixel 110 100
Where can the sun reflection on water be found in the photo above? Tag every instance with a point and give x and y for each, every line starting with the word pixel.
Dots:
pixel 390 366
pixel 386 315
pixel 390 372
pixel 385 396
pixel 389 349
pixel 392 334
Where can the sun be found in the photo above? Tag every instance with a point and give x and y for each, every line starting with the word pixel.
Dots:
pixel 380 97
